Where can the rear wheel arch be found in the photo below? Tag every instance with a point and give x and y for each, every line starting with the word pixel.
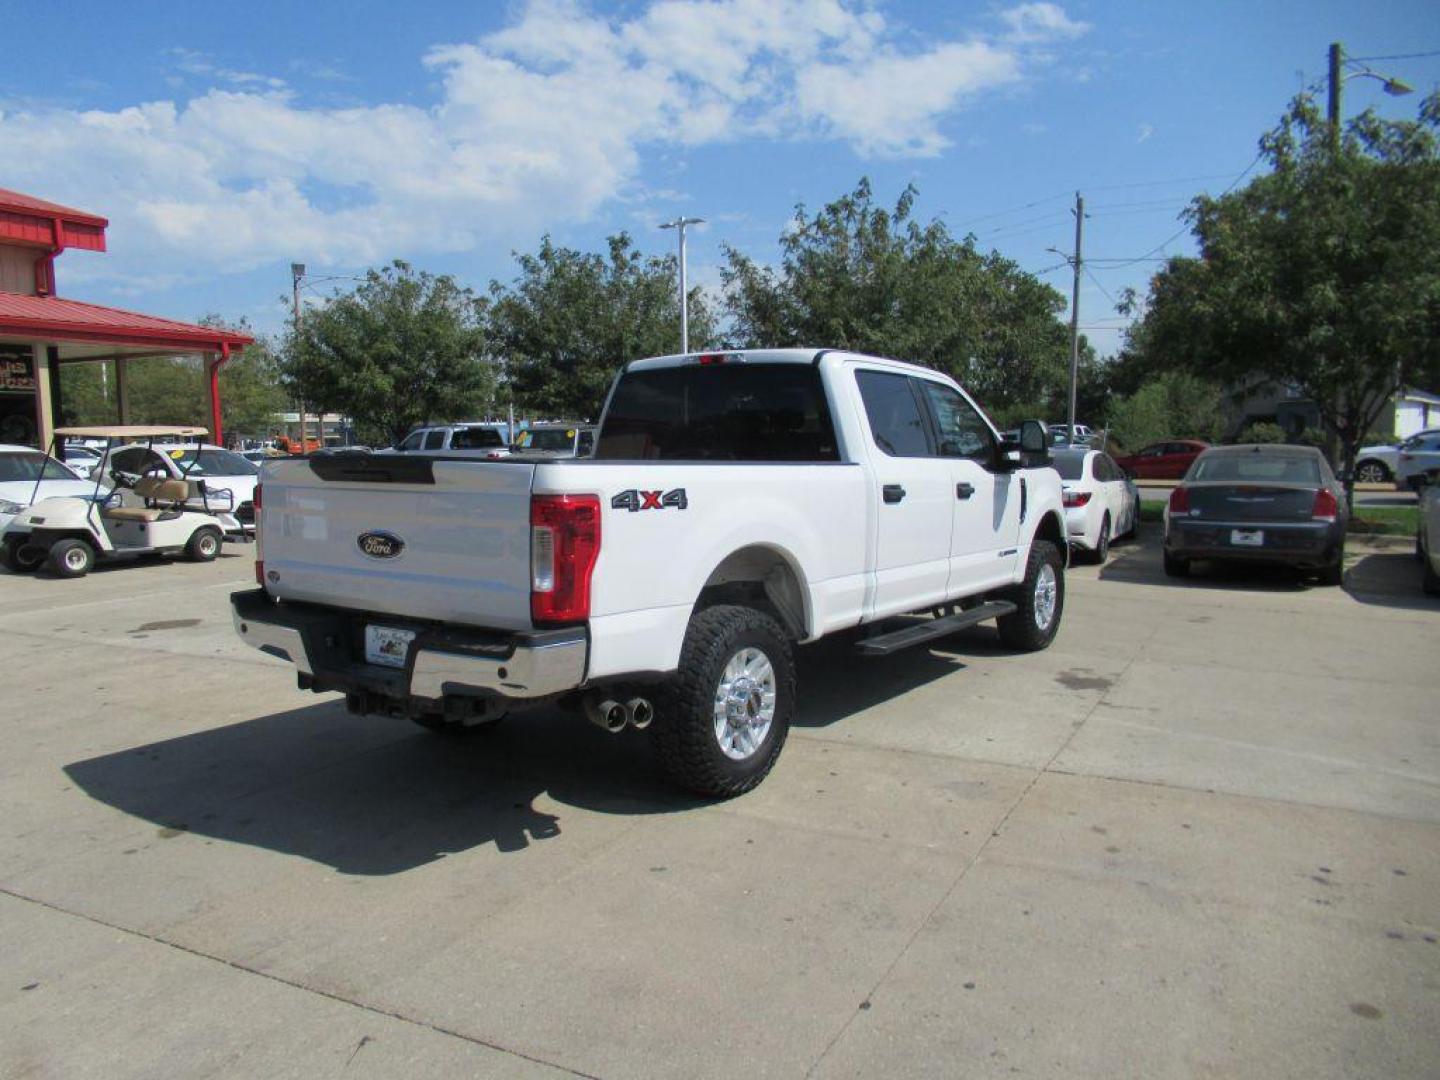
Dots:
pixel 763 577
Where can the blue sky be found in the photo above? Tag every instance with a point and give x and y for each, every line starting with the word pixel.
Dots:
pixel 226 141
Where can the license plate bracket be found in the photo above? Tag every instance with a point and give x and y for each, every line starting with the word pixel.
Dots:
pixel 1247 537
pixel 387 646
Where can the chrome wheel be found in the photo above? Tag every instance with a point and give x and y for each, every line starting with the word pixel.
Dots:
pixel 744 703
pixel 208 545
pixel 1371 472
pixel 1045 594
pixel 76 560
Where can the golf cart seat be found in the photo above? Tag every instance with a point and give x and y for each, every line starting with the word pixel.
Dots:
pixel 163 499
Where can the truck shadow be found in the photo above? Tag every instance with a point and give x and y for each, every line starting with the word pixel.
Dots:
pixel 1389 579
pixel 372 796
pixel 836 682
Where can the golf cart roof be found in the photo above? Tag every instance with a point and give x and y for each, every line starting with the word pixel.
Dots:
pixel 129 431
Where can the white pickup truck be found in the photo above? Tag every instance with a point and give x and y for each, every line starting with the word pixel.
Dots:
pixel 737 504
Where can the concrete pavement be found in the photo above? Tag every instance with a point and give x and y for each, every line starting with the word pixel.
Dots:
pixel 1198 836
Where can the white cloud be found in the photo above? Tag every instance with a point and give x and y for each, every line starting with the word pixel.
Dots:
pixel 541 123
pixel 1036 23
pixel 1144 132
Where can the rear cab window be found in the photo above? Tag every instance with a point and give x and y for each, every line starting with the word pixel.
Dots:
pixel 721 412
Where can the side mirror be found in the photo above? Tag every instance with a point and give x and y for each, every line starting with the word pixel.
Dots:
pixel 1034 443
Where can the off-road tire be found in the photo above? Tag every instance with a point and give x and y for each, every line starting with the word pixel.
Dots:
pixel 20 558
pixel 1020 630
pixel 204 544
pixel 1176 567
pixel 71 558
pixel 684 726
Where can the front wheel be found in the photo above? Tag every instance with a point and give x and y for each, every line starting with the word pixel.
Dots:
pixel 71 558
pixel 723 718
pixel 20 558
pixel 1039 601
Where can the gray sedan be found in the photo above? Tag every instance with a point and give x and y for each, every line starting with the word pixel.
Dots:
pixel 1266 503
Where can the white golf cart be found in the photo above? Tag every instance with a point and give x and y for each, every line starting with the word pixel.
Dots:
pixel 151 514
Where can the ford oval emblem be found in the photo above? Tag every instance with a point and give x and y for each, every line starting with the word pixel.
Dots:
pixel 379 545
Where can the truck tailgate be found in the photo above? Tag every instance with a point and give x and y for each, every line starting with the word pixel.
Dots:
pixel 425 538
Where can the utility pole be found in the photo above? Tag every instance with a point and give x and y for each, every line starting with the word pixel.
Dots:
pixel 679 225
pixel 1332 111
pixel 1075 311
pixel 297 275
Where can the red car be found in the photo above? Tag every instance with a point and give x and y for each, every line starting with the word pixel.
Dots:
pixel 1163 460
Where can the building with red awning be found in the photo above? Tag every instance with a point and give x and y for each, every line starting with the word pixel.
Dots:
pixel 40 331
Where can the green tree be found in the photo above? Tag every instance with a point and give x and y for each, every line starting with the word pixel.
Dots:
pixel 859 276
pixel 173 390
pixel 250 385
pixel 1319 276
pixel 402 348
pixel 1174 405
pixel 570 319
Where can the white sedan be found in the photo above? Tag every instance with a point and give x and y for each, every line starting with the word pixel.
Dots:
pixel 222 470
pixel 1101 502
pixel 1427 540
pixel 21 467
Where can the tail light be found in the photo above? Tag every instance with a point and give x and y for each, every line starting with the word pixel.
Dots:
pixel 1180 500
pixel 564 544
pixel 255 524
pixel 1326 507
pixel 1075 498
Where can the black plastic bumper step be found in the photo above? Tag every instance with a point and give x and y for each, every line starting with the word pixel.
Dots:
pixel 893 642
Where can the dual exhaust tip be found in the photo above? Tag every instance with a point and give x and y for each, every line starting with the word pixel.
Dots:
pixel 615 716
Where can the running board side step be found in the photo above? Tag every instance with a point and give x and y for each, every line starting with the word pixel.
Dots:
pixel 893 642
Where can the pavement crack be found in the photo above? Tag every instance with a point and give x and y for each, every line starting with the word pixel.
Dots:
pixel 376 1010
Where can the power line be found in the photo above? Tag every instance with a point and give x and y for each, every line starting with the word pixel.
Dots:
pixel 1186 228
pixel 1011 210
pixel 1100 286
pixel 1397 56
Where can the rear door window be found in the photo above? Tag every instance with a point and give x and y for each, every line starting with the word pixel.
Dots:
pixel 721 412
pixel 894 413
pixel 435 440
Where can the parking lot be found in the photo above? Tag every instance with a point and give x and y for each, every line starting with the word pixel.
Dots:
pixel 1198 836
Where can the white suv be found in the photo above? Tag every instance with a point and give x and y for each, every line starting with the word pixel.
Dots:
pixel 457 437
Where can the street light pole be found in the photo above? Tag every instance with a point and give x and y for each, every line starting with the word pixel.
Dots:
pixel 679 225
pixel 1391 85
pixel 297 275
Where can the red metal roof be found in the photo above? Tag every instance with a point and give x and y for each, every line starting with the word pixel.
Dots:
pixel 49 318
pixel 28 220
pixel 28 204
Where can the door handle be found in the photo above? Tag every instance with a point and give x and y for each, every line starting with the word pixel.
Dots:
pixel 892 493
pixel 964 491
